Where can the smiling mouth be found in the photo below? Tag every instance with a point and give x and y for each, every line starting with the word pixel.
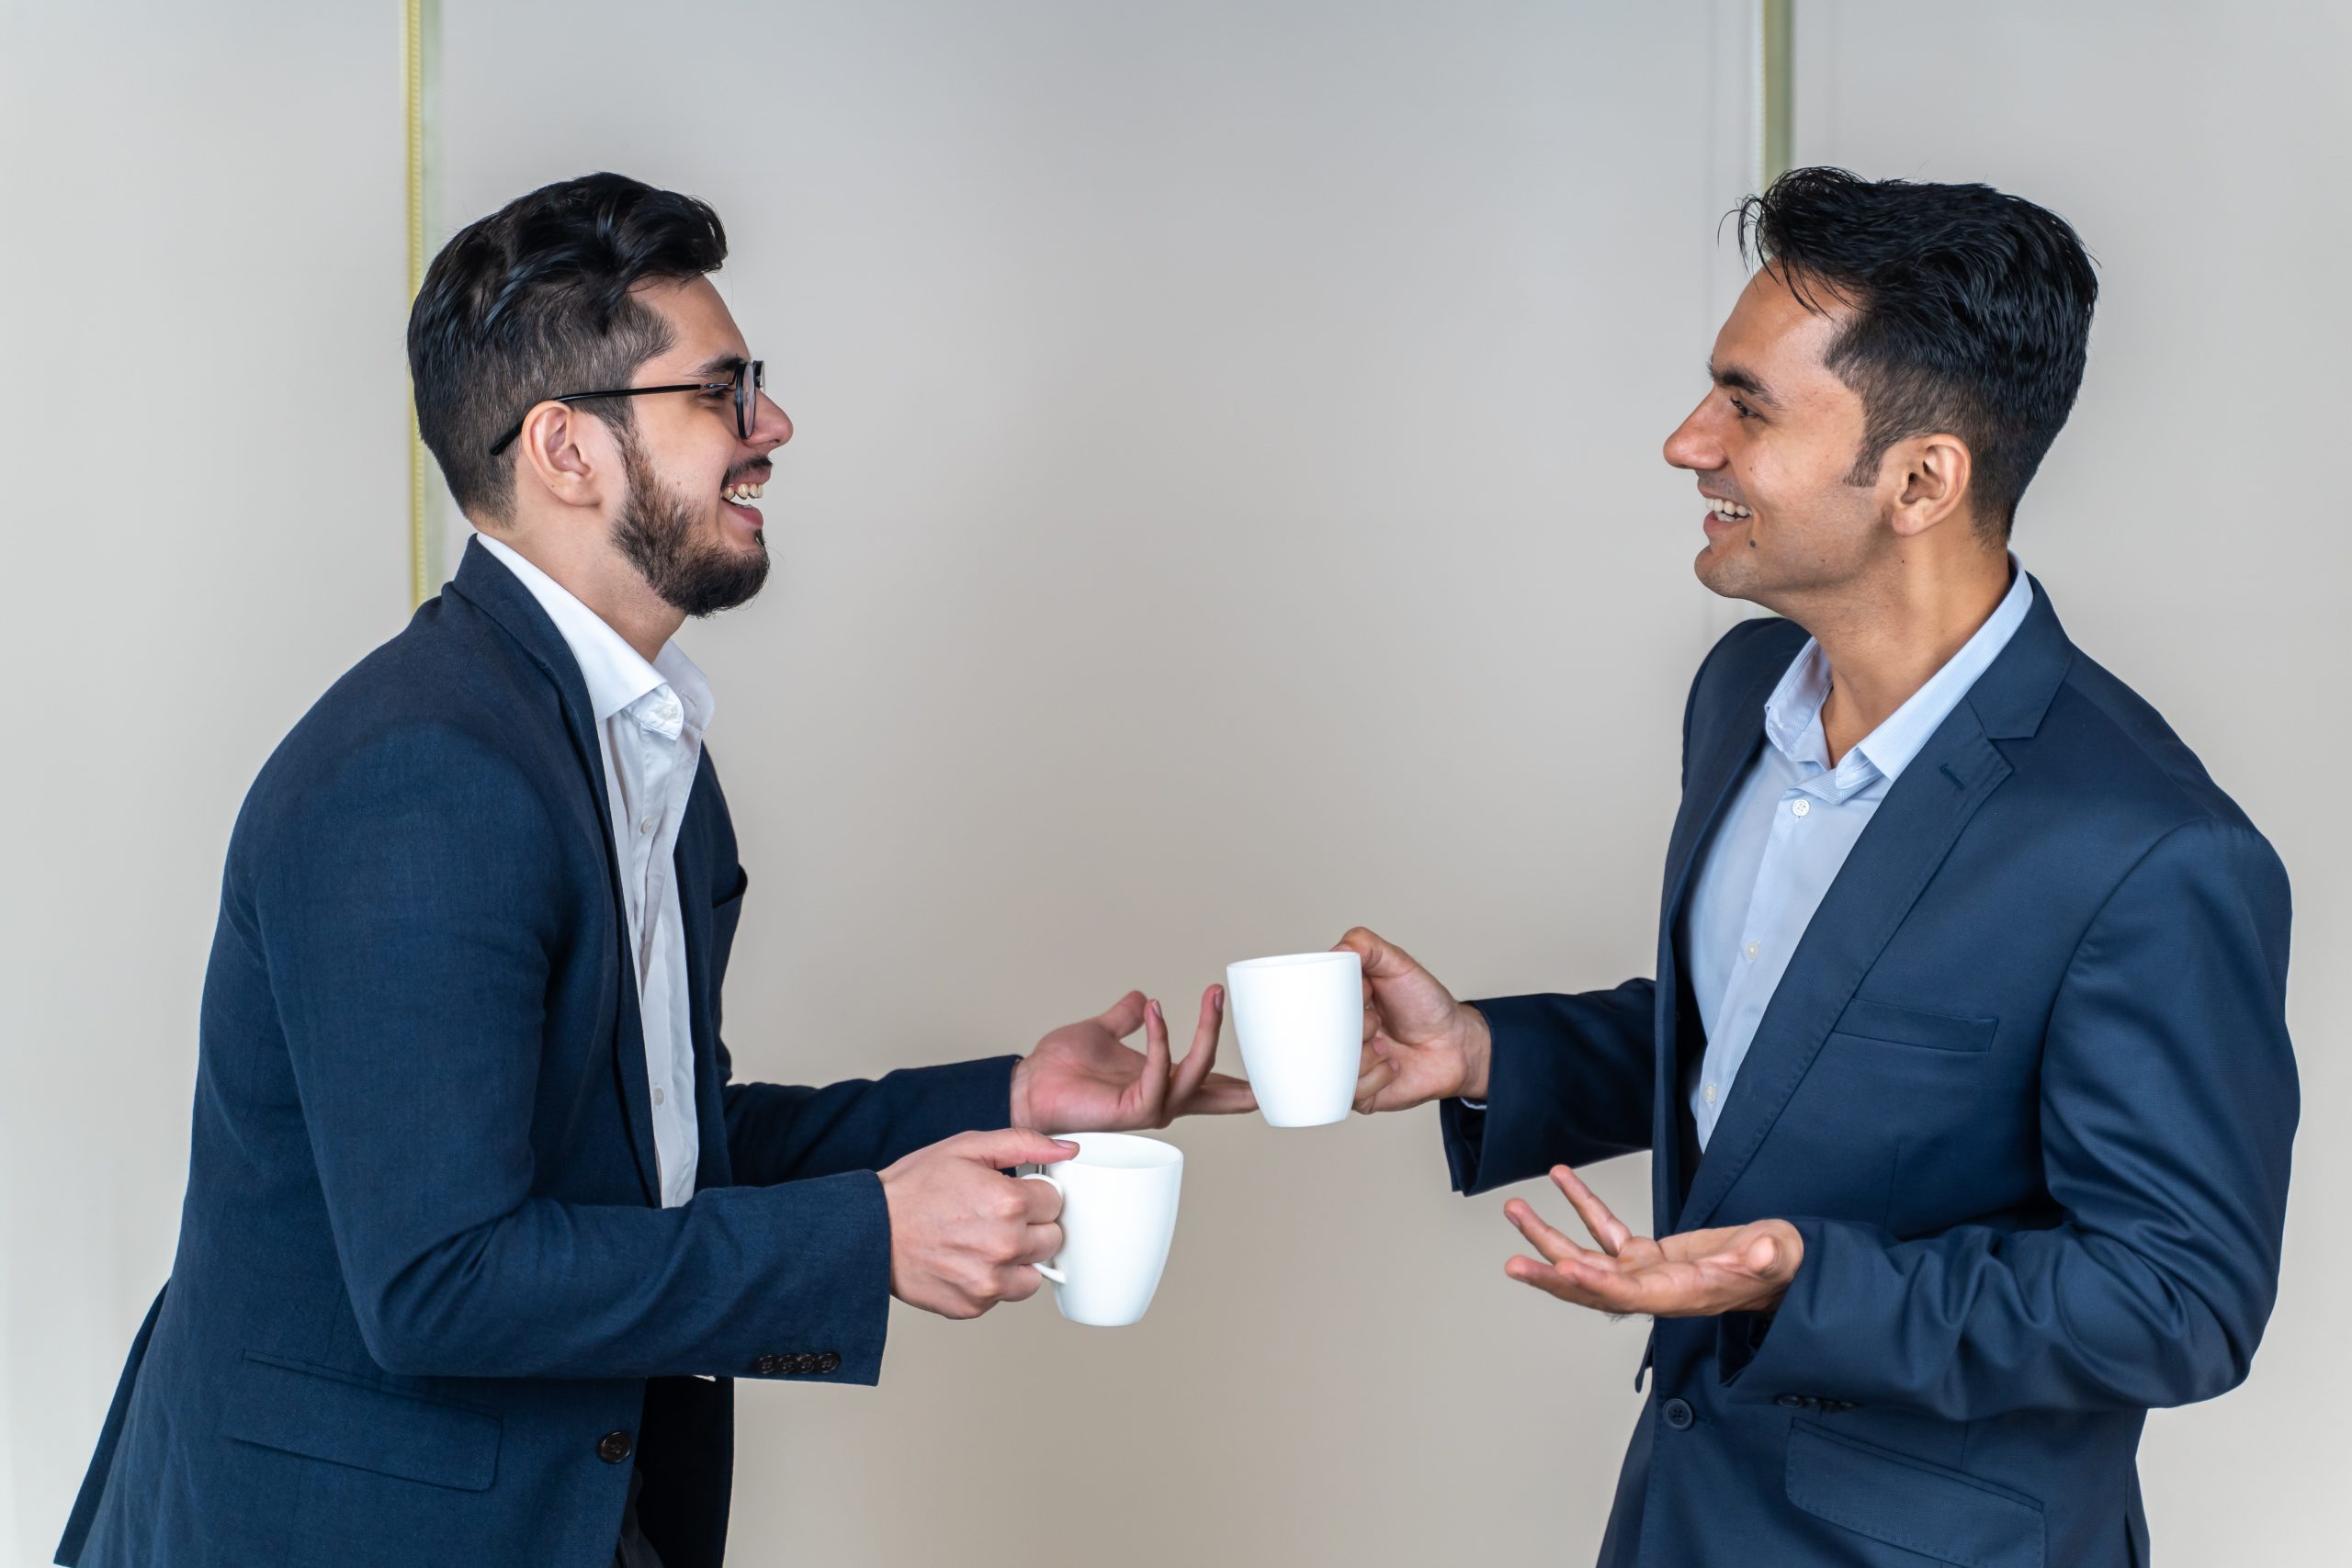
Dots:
pixel 743 494
pixel 1727 511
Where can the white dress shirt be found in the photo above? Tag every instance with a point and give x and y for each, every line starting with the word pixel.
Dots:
pixel 1787 830
pixel 650 724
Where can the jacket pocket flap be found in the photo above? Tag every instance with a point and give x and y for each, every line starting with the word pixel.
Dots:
pixel 325 1415
pixel 1909 1026
pixel 1908 1503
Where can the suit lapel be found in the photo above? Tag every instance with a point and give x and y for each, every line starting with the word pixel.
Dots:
pixel 690 865
pixel 1713 778
pixel 1907 839
pixel 488 585
pixel 1923 816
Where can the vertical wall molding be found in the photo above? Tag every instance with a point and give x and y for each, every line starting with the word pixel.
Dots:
pixel 1774 26
pixel 420 42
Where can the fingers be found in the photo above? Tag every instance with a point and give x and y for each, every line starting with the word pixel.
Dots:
pixel 1152 1087
pixel 1006 1146
pixel 1221 1095
pixel 1200 1056
pixel 1041 1201
pixel 1375 1078
pixel 1583 1283
pixel 1554 1247
pixel 1017 1283
pixel 1123 1017
pixel 1040 1245
pixel 1606 1228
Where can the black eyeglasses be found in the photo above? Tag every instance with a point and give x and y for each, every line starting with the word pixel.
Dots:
pixel 747 383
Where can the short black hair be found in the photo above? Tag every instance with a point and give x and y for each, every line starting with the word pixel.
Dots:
pixel 1971 314
pixel 533 302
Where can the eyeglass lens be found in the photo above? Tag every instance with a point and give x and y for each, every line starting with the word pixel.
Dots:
pixel 749 381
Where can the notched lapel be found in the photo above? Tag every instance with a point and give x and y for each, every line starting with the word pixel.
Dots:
pixel 484 582
pixel 1708 783
pixel 1889 867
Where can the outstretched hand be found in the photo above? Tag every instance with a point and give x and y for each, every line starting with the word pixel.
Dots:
pixel 1081 1078
pixel 1696 1274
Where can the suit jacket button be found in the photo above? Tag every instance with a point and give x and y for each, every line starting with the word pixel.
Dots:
pixel 803 1362
pixel 828 1362
pixel 768 1365
pixel 615 1447
pixel 1677 1415
pixel 1790 1401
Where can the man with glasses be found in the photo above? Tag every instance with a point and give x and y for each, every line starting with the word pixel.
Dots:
pixel 479 1225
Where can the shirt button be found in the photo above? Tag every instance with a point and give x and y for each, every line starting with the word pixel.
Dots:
pixel 1801 808
pixel 658 1095
pixel 646 826
pixel 1710 1092
pixel 1754 948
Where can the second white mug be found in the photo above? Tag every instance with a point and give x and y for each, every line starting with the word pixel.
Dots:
pixel 1299 1021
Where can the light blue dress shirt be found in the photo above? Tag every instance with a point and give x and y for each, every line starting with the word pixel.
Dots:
pixel 1788 829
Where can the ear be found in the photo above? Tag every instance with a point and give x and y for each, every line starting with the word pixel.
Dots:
pixel 568 455
pixel 1934 472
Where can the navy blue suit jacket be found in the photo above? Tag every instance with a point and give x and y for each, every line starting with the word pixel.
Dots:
pixel 427 1306
pixel 2025 1090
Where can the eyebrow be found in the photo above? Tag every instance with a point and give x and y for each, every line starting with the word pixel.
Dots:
pixel 1740 380
pixel 724 360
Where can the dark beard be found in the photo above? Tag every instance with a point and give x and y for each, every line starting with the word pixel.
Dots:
pixel 657 534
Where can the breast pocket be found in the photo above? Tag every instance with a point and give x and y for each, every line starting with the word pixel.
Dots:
pixel 1886 1024
pixel 322 1414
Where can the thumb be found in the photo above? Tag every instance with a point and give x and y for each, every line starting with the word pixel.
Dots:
pixel 1006 1146
pixel 1382 960
pixel 1123 1017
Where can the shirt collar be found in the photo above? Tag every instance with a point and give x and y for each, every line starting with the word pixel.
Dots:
pixel 617 675
pixel 1792 713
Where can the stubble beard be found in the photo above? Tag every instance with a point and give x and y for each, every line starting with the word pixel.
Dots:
pixel 656 531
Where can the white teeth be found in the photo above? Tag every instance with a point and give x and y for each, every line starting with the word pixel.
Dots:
pixel 739 494
pixel 1725 509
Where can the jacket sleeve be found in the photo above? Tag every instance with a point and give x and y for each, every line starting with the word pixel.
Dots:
pixel 2168 1104
pixel 1571 1080
pixel 407 905
pixel 786 1133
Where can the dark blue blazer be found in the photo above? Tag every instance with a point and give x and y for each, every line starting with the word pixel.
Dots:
pixel 427 1306
pixel 2025 1090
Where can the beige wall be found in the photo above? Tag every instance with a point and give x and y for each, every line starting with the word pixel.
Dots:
pixel 1226 506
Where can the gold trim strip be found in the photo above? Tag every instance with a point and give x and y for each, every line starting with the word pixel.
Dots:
pixel 419 31
pixel 1775 25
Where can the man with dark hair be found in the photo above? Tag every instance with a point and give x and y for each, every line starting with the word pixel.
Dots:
pixel 1965 1074
pixel 479 1225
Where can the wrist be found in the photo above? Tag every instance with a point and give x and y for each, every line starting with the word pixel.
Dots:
pixel 1477 1053
pixel 1016 1111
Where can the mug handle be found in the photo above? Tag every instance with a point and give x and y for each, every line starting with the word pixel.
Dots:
pixel 1048 1269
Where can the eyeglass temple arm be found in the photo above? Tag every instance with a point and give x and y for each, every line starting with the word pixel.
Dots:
pixel 508 439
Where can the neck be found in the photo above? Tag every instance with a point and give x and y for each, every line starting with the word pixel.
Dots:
pixel 1885 642
pixel 600 578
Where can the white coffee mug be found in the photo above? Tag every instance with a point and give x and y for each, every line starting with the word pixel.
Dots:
pixel 1118 1216
pixel 1299 1021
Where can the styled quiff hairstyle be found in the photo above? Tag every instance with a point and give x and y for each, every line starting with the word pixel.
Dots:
pixel 1972 315
pixel 533 302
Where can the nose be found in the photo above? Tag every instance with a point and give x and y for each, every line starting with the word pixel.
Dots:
pixel 1694 444
pixel 771 426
